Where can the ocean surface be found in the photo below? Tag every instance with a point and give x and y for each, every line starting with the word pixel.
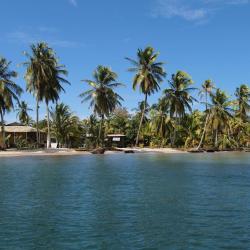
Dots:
pixel 121 201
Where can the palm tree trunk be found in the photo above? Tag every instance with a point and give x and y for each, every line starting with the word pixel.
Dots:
pixel 100 139
pixel 204 131
pixel 142 117
pixel 48 125
pixel 3 130
pixel 216 138
pixel 206 99
pixel 37 121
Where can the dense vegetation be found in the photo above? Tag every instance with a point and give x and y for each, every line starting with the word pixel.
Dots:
pixel 171 121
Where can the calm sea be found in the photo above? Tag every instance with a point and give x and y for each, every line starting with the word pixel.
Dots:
pixel 139 201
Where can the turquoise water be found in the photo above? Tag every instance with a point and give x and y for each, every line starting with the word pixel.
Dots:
pixel 140 201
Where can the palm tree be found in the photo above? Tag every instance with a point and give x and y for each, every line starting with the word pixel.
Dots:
pixel 61 122
pixel 38 73
pixel 9 92
pixel 207 88
pixel 220 113
pixel 148 76
pixel 52 89
pixel 243 99
pixel 103 99
pixel 178 97
pixel 44 78
pixel 22 113
pixel 160 120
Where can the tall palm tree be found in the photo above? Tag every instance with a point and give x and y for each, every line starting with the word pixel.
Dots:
pixel 38 73
pixel 52 89
pixel 148 76
pixel 44 78
pixel 179 97
pixel 207 88
pixel 220 113
pixel 22 113
pixel 9 92
pixel 243 99
pixel 103 99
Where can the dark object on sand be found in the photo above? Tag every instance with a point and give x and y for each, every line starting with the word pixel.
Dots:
pixel 129 151
pixel 98 151
pixel 210 150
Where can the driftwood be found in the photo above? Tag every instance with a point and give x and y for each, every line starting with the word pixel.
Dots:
pixel 129 151
pixel 98 151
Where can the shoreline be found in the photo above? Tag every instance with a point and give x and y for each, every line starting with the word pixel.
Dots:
pixel 72 152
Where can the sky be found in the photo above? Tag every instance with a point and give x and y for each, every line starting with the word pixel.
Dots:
pixel 209 39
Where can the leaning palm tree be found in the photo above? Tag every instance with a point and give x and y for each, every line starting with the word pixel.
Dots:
pixel 148 76
pixel 243 100
pixel 103 99
pixel 207 88
pixel 9 92
pixel 22 113
pixel 179 97
pixel 44 78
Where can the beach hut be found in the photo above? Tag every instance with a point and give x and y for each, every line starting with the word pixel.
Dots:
pixel 16 131
pixel 115 140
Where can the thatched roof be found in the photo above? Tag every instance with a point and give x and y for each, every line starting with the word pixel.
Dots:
pixel 19 129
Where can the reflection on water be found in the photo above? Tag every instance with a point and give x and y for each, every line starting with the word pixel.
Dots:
pixel 141 201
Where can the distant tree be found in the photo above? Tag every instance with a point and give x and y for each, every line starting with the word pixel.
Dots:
pixel 243 101
pixel 148 76
pixel 103 99
pixel 207 88
pixel 179 97
pixel 9 92
pixel 44 77
pixel 22 113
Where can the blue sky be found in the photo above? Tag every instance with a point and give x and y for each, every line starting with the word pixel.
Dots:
pixel 206 38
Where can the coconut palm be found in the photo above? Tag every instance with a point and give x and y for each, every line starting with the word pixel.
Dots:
pixel 148 76
pixel 243 99
pixel 103 99
pixel 22 113
pixel 179 97
pixel 61 122
pixel 220 114
pixel 51 91
pixel 161 123
pixel 9 92
pixel 44 77
pixel 207 88
pixel 38 73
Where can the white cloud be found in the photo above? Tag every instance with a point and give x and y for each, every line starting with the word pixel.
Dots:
pixel 177 8
pixel 37 35
pixel 192 10
pixel 73 2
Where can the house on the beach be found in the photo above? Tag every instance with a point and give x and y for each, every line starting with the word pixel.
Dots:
pixel 115 140
pixel 16 131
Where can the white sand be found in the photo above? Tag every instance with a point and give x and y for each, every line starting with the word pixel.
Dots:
pixel 155 150
pixel 61 152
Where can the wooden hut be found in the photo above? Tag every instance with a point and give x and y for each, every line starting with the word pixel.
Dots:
pixel 115 140
pixel 16 131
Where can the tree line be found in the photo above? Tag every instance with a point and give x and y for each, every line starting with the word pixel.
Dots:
pixel 171 121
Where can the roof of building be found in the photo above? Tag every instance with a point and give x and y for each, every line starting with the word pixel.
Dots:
pixel 116 135
pixel 18 129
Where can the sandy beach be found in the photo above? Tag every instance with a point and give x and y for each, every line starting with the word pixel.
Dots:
pixel 63 152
